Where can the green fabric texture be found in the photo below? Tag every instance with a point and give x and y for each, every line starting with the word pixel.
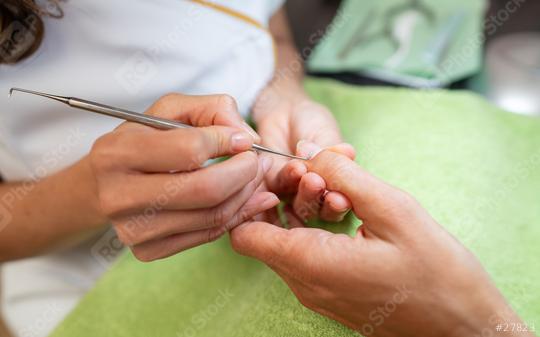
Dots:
pixel 445 42
pixel 474 167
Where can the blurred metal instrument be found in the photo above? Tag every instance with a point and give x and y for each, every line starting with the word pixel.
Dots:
pixel 155 122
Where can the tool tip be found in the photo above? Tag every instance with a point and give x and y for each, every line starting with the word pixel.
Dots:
pixel 55 97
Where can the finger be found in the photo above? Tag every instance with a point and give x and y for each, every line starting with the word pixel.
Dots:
pixel 345 149
pixel 174 244
pixel 203 188
pixel 156 224
pixel 275 134
pixel 201 111
pixel 289 251
pixel 308 149
pixel 289 177
pixel 308 201
pixel 335 207
pixel 373 201
pixel 173 150
pixel 293 220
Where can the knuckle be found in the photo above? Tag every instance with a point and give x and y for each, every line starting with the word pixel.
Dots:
pixel 165 102
pixel 191 146
pixel 214 234
pixel 226 102
pixel 109 202
pixel 220 216
pixel 103 155
pixel 115 204
pixel 212 141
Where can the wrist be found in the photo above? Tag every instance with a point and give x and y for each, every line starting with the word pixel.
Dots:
pixel 87 194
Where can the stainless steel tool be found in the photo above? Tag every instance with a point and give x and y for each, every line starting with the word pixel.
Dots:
pixel 156 122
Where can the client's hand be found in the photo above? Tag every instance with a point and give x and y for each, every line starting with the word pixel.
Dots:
pixel 402 275
pixel 282 127
pixel 153 185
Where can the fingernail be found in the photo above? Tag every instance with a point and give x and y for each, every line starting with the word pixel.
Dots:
pixel 266 163
pixel 337 208
pixel 241 141
pixel 307 149
pixel 252 132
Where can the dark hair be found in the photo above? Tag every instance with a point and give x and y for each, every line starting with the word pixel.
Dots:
pixel 21 27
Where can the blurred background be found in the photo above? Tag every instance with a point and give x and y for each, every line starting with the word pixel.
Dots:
pixel 505 67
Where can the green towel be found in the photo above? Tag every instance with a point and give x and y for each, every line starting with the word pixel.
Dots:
pixel 444 44
pixel 474 167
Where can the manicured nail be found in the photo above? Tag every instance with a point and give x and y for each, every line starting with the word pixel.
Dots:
pixel 252 132
pixel 337 207
pixel 241 141
pixel 266 163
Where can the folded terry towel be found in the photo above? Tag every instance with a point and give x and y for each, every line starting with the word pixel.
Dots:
pixel 430 41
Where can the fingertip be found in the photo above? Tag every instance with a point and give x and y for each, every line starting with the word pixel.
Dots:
pixel 313 182
pixel 338 202
pixel 296 169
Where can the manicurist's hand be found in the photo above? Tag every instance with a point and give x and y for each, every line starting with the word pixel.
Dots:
pixel 153 185
pixel 401 275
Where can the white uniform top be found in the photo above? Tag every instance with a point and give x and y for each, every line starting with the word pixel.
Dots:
pixel 124 53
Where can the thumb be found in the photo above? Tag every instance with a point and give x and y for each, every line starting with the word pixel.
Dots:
pixel 262 241
pixel 201 111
